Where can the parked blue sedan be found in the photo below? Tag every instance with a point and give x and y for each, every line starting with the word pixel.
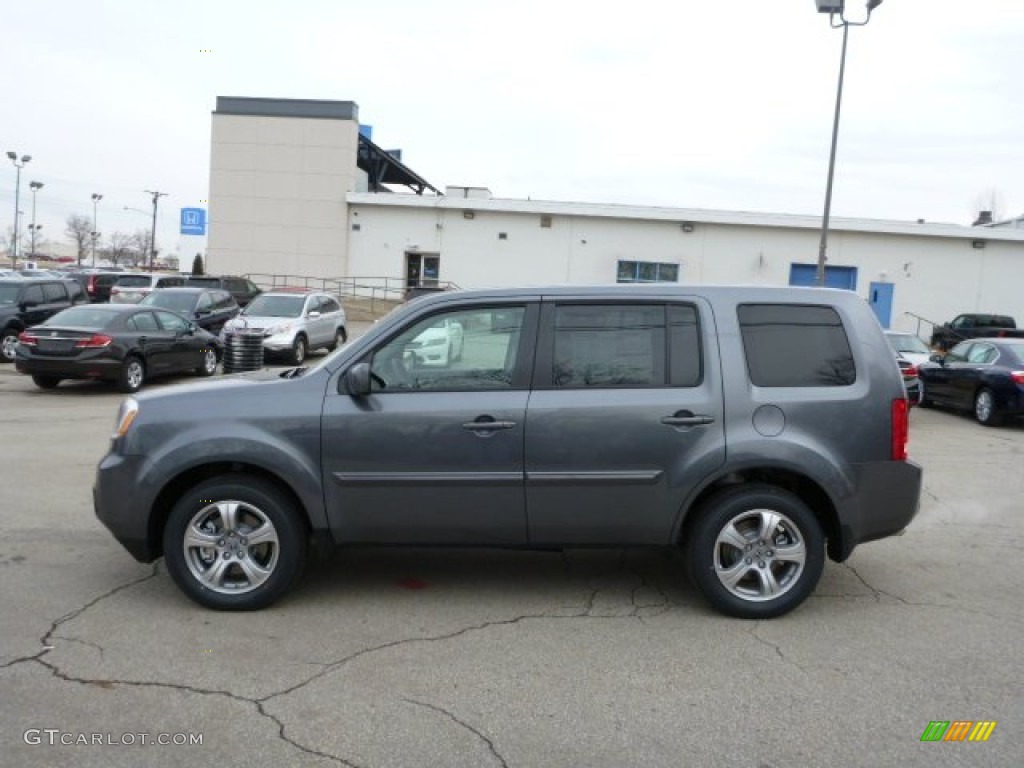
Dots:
pixel 985 376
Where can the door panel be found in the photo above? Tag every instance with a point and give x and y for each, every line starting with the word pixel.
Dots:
pixel 434 454
pixel 610 460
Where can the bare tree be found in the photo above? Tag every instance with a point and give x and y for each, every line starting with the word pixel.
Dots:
pixel 139 244
pixel 120 247
pixel 79 231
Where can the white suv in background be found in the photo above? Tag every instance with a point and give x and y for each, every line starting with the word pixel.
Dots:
pixel 133 288
pixel 292 322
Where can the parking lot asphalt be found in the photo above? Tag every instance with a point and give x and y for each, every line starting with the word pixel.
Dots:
pixel 477 658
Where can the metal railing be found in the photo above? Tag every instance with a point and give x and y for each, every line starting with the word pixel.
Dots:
pixel 374 295
pixel 920 320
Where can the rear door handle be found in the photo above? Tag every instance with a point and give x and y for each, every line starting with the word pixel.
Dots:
pixel 487 424
pixel 687 419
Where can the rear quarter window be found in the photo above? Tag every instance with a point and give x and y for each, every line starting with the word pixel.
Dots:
pixel 795 345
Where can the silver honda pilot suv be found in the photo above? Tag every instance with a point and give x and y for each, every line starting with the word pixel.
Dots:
pixel 759 430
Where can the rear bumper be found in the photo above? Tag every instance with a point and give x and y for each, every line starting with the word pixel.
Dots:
pixel 106 369
pixel 887 499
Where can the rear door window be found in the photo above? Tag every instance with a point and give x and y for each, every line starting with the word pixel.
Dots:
pixel 54 292
pixel 795 345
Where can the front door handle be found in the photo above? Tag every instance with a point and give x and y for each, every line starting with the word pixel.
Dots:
pixel 487 424
pixel 687 419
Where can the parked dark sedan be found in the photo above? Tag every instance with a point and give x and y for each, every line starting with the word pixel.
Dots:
pixel 123 343
pixel 242 289
pixel 209 308
pixel 985 376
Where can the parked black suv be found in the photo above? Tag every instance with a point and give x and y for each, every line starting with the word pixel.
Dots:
pixel 242 289
pixel 27 302
pixel 209 308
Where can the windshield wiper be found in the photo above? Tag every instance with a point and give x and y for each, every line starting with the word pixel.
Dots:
pixel 293 373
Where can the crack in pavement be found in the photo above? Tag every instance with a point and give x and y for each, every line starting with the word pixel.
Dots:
pixel 467 726
pixel 776 646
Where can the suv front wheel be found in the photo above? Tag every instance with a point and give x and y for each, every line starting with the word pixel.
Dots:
pixel 8 340
pixel 234 543
pixel 755 552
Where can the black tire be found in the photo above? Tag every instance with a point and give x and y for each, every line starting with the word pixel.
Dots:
pixel 45 382
pixel 340 337
pixel 299 350
pixel 208 364
pixel 8 338
pixel 744 509
pixel 233 583
pixel 133 374
pixel 986 411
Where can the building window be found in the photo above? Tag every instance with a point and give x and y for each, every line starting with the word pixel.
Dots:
pixel 545 221
pixel 647 272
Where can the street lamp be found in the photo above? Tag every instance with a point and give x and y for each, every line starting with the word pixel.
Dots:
pixel 17 193
pixel 95 199
pixel 836 8
pixel 35 186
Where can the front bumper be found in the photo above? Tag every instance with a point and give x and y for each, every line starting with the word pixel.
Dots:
pixel 122 502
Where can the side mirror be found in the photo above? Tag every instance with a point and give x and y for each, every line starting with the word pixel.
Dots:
pixel 357 380
pixel 937 358
pixel 313 314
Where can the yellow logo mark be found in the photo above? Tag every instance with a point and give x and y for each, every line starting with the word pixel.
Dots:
pixel 982 730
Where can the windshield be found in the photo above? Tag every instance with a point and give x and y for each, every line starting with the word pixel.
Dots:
pixel 275 306
pixel 176 302
pixel 133 281
pixel 907 343
pixel 83 317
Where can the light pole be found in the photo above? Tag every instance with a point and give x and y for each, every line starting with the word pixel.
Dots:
pixel 836 8
pixel 152 232
pixel 95 234
pixel 35 186
pixel 17 193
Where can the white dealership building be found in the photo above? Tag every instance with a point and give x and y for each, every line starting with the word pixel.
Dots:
pixel 298 189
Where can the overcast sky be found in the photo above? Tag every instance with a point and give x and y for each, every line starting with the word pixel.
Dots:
pixel 688 103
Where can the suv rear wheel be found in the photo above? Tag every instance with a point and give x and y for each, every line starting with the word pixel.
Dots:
pixel 234 543
pixel 8 339
pixel 756 551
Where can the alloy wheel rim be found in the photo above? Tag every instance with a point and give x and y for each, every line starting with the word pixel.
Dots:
pixel 135 374
pixel 8 346
pixel 759 555
pixel 231 547
pixel 210 361
pixel 983 406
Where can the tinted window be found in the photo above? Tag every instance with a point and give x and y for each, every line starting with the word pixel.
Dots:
pixel 958 354
pixel 609 346
pixel 170 282
pixel 171 322
pixel 204 302
pixel 275 306
pixel 33 295
pixel 329 305
pixel 789 345
pixel 684 347
pixel 53 292
pixel 454 351
pixel 143 321
pixel 177 302
pixel 75 289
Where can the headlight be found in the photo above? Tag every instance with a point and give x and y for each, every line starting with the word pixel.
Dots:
pixel 279 329
pixel 125 416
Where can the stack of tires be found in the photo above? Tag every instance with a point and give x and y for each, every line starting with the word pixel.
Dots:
pixel 243 351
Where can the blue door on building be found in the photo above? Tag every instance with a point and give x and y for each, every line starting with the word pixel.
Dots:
pixel 880 300
pixel 835 277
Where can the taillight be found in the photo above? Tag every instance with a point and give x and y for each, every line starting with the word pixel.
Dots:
pixel 91 287
pixel 910 370
pixel 28 339
pixel 1017 376
pixel 95 341
pixel 900 428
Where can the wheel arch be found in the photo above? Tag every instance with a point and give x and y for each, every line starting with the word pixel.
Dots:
pixel 178 485
pixel 809 491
